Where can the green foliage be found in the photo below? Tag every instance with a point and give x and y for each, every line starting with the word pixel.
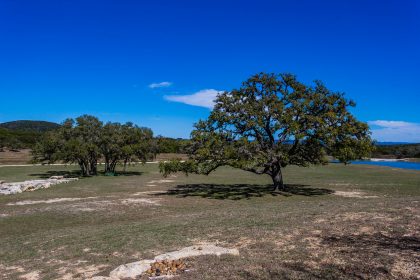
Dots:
pixel 13 140
pixel 23 134
pixel 171 145
pixel 125 142
pixel 177 165
pixel 398 151
pixel 86 140
pixel 273 121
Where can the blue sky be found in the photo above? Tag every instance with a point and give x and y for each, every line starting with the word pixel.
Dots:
pixel 159 63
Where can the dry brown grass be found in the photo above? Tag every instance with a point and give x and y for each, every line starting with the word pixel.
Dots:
pixel 15 157
pixel 169 156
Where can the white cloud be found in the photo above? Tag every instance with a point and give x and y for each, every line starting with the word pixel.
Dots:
pixel 203 98
pixel 160 85
pixel 395 131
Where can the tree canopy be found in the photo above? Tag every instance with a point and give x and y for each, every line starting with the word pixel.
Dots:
pixel 273 121
pixel 87 140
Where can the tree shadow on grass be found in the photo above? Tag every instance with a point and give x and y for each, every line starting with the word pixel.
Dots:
pixel 65 173
pixel 240 191
pixel 128 173
pixel 367 256
pixel 78 174
pixel 377 241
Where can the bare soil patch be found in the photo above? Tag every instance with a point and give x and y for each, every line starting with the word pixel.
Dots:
pixel 161 181
pixel 145 193
pixel 354 194
pixel 48 201
pixel 79 272
pixel 140 201
pixel 34 275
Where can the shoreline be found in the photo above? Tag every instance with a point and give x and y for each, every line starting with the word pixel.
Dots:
pixel 393 159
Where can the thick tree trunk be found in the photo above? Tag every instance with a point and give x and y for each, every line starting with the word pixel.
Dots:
pixel 87 169
pixel 112 166
pixel 278 181
pixel 93 168
pixel 108 165
pixel 125 164
pixel 82 168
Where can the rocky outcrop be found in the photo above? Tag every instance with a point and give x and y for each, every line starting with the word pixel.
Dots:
pixel 136 269
pixel 32 185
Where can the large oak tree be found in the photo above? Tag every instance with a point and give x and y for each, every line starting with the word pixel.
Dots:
pixel 273 121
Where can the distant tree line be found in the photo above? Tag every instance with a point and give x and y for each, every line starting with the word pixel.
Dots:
pixel 15 140
pixel 88 141
pixel 17 135
pixel 171 145
pixel 397 151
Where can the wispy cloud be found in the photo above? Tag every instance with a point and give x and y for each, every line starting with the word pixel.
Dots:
pixel 203 98
pixel 395 131
pixel 160 85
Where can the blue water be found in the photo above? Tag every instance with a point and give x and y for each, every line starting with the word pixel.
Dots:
pixel 395 164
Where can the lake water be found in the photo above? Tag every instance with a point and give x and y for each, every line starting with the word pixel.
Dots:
pixel 395 164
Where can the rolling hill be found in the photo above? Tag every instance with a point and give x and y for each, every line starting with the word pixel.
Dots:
pixel 29 126
pixel 17 135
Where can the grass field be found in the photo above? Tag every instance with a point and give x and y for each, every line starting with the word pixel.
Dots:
pixel 368 228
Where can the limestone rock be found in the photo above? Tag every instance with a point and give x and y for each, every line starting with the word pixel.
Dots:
pixel 136 269
pixel 32 185
pixel 194 251
pixel 57 177
pixel 131 270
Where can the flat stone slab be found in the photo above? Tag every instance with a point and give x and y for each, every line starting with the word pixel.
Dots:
pixel 32 185
pixel 131 270
pixel 136 269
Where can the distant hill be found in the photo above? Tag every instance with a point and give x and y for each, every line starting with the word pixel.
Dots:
pixel 23 134
pixel 30 126
pixel 392 143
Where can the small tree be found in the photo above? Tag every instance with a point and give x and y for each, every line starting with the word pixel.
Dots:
pixel 125 143
pixel 74 142
pixel 273 121
pixel 138 144
pixel 86 141
pixel 110 145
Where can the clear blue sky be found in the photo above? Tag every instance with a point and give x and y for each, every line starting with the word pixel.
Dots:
pixel 60 59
